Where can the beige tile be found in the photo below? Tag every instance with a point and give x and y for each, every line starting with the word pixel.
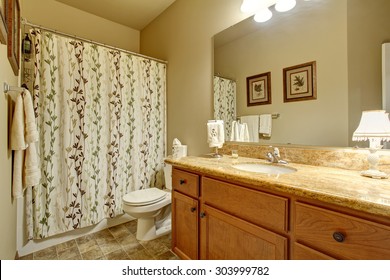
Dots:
pixel 46 254
pixel 85 243
pixel 166 240
pixel 117 255
pixel 127 240
pixel 117 242
pixel 168 255
pixel 66 246
pixel 26 257
pixel 133 248
pixel 109 246
pixel 154 247
pixel 132 226
pixel 103 235
pixel 70 254
pixel 94 253
pixel 141 255
pixel 119 231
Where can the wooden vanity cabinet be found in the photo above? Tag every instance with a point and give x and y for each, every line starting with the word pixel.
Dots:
pixel 185 211
pixel 213 219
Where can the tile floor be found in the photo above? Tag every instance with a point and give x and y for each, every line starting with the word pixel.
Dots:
pixel 115 243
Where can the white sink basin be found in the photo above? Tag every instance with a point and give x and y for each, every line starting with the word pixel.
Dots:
pixel 264 168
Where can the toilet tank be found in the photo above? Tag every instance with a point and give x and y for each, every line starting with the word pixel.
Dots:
pixel 168 176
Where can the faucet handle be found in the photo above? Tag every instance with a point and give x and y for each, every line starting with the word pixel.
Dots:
pixel 276 152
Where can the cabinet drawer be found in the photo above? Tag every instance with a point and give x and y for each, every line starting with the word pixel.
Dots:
pixel 341 235
pixel 185 182
pixel 259 208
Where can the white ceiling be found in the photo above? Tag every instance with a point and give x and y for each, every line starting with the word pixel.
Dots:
pixel 136 14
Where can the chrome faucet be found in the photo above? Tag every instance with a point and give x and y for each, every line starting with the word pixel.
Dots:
pixel 275 157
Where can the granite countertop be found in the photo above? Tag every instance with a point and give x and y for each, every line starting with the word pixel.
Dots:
pixel 333 185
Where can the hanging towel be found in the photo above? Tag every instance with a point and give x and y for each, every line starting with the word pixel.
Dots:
pixel 215 133
pixel 24 134
pixel 253 127
pixel 240 132
pixel 265 125
pixel 235 133
pixel 244 133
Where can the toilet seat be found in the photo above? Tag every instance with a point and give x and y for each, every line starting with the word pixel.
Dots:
pixel 144 197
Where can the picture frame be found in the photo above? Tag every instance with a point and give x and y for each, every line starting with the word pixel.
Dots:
pixel 13 40
pixel 300 82
pixel 3 22
pixel 258 88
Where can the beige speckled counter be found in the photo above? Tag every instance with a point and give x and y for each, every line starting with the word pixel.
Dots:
pixel 341 187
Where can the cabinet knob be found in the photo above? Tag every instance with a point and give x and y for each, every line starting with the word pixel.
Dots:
pixel 338 236
pixel 202 214
pixel 183 181
pixel 193 209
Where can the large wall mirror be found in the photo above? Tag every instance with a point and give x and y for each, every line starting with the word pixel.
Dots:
pixel 343 37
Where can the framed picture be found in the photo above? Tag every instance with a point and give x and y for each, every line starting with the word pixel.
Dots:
pixel 299 82
pixel 258 89
pixel 13 28
pixel 3 22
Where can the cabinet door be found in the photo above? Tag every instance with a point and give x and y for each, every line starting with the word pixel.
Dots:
pixel 225 237
pixel 301 252
pixel 185 226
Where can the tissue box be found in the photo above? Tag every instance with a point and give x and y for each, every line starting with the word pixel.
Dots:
pixel 179 151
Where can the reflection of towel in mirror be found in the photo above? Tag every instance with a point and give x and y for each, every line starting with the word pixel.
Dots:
pixel 253 127
pixel 24 134
pixel 239 132
pixel 265 125
pixel 215 133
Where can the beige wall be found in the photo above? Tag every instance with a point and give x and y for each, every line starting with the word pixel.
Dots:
pixel 7 206
pixel 58 16
pixel 183 36
pixel 288 40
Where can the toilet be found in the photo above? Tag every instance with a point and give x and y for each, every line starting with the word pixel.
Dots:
pixel 152 209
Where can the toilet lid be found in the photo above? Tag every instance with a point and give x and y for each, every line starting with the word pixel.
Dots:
pixel 144 197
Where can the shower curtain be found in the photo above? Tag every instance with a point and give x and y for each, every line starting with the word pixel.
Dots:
pixel 225 102
pixel 101 119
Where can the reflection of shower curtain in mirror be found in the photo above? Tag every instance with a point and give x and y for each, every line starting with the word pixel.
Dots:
pixel 225 102
pixel 101 118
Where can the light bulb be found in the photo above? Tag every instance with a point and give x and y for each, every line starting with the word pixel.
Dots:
pixel 263 15
pixel 285 5
pixel 250 6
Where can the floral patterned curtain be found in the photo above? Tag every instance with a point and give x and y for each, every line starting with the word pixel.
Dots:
pixel 101 118
pixel 225 102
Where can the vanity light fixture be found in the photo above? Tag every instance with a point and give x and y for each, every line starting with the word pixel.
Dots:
pixel 285 5
pixel 374 126
pixel 261 8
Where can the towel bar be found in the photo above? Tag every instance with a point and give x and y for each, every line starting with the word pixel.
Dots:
pixel 274 116
pixel 8 88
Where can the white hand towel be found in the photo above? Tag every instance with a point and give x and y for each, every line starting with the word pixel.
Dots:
pixel 31 127
pixel 265 125
pixel 26 170
pixel 244 133
pixel 32 173
pixel 215 134
pixel 17 137
pixel 234 135
pixel 253 127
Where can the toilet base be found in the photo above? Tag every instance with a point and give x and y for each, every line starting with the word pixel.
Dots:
pixel 147 230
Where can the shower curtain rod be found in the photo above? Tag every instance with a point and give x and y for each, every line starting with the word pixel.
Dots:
pixel 219 76
pixel 26 22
